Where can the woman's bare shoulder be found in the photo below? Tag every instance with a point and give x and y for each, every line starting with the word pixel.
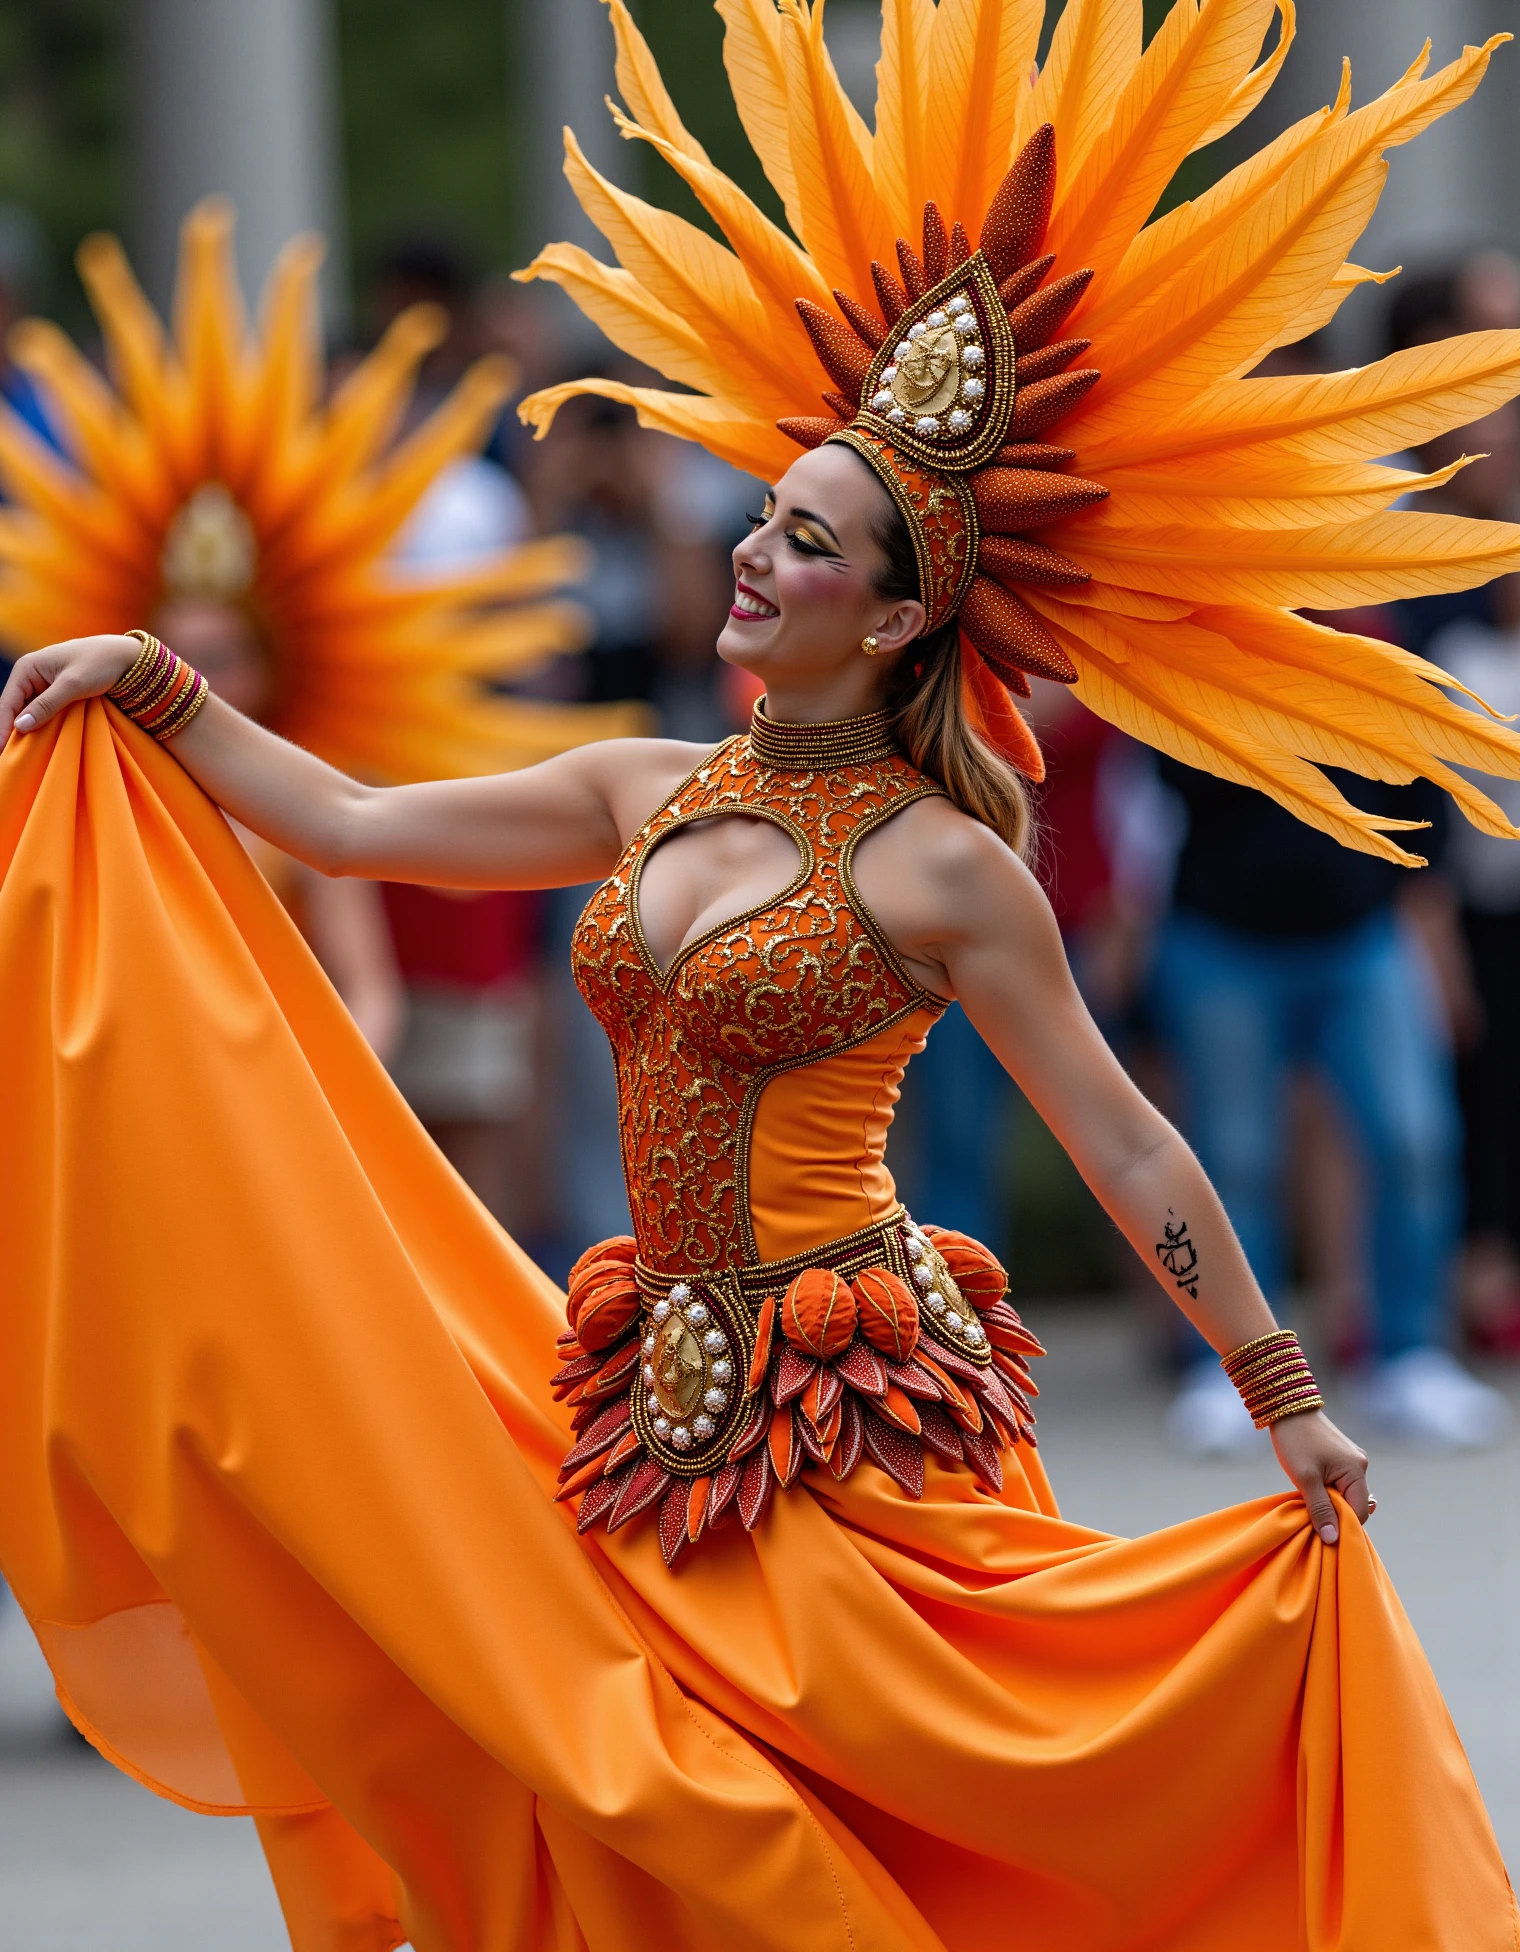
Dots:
pixel 637 776
pixel 941 874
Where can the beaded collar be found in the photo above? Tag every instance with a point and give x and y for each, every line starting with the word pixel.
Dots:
pixel 824 747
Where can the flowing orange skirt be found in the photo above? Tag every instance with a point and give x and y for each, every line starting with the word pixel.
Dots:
pixel 276 1450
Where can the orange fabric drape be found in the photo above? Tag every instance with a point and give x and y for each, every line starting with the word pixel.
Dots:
pixel 275 1450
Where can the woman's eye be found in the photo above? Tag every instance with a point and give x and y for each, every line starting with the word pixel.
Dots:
pixel 759 521
pixel 807 544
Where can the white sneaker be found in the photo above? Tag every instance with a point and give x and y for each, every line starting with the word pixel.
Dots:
pixel 1426 1398
pixel 1208 1419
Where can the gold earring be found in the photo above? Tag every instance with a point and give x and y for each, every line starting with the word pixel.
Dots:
pixel 870 646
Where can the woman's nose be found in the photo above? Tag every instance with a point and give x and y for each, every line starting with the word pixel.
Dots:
pixel 752 554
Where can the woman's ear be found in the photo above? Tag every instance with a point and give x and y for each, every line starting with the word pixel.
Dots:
pixel 898 627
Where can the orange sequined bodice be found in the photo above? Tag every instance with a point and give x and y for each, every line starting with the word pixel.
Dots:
pixel 732 1157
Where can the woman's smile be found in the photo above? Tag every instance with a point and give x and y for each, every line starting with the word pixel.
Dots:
pixel 750 607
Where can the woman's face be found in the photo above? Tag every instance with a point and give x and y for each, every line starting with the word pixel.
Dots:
pixel 805 578
pixel 222 644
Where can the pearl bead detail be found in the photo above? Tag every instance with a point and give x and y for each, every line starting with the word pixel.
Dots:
pixel 697 1313
pixel 715 1342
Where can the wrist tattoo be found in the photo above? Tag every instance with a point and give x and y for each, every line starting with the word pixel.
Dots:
pixel 1177 1254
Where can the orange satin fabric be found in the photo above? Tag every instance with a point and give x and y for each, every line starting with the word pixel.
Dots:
pixel 275 1454
pixel 817 1155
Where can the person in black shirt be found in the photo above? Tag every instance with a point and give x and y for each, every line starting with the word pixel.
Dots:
pixel 1285 949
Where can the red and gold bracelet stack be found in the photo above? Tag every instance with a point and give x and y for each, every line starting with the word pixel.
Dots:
pixel 161 693
pixel 1273 1377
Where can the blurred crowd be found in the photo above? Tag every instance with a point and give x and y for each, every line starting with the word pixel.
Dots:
pixel 1338 1037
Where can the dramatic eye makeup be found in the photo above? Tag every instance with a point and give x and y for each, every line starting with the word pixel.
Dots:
pixel 765 515
pixel 812 536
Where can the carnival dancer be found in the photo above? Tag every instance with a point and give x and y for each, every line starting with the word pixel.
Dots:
pixel 756 1624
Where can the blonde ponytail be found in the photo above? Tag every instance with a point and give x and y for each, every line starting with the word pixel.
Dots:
pixel 929 713
pixel 924 695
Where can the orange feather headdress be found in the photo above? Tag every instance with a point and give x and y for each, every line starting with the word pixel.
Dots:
pixel 209 463
pixel 1155 557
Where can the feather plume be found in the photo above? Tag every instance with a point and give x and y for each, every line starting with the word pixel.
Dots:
pixel 775 267
pixel 1093 52
pixel 901 155
pixel 642 87
pixel 1196 58
pixel 756 67
pixel 1250 92
pixel 843 221
pixel 980 55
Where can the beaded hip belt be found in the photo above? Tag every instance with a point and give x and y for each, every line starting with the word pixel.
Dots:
pixel 704 1393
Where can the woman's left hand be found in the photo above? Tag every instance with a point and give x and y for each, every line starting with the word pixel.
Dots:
pixel 1321 1459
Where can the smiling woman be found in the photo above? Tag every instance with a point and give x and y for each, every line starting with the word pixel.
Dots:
pixel 724 1602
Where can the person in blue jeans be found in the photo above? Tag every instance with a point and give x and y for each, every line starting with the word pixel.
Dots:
pixel 1284 950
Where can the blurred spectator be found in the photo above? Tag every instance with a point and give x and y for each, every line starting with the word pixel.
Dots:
pixel 475 506
pixel 1485 870
pixel 1285 950
pixel 960 1105
pixel 23 257
pixel 661 518
pixel 1481 295
pixel 468 1060
pixel 341 919
pixel 1472 633
pixel 467 1064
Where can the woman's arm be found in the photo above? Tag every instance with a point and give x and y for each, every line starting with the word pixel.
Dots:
pixel 551 825
pixel 974 923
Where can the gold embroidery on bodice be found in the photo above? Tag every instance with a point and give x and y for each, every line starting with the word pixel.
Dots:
pixel 804 976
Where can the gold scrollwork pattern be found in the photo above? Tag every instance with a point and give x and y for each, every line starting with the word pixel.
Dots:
pixel 803 977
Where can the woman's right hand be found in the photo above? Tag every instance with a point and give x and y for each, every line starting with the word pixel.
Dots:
pixel 43 682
